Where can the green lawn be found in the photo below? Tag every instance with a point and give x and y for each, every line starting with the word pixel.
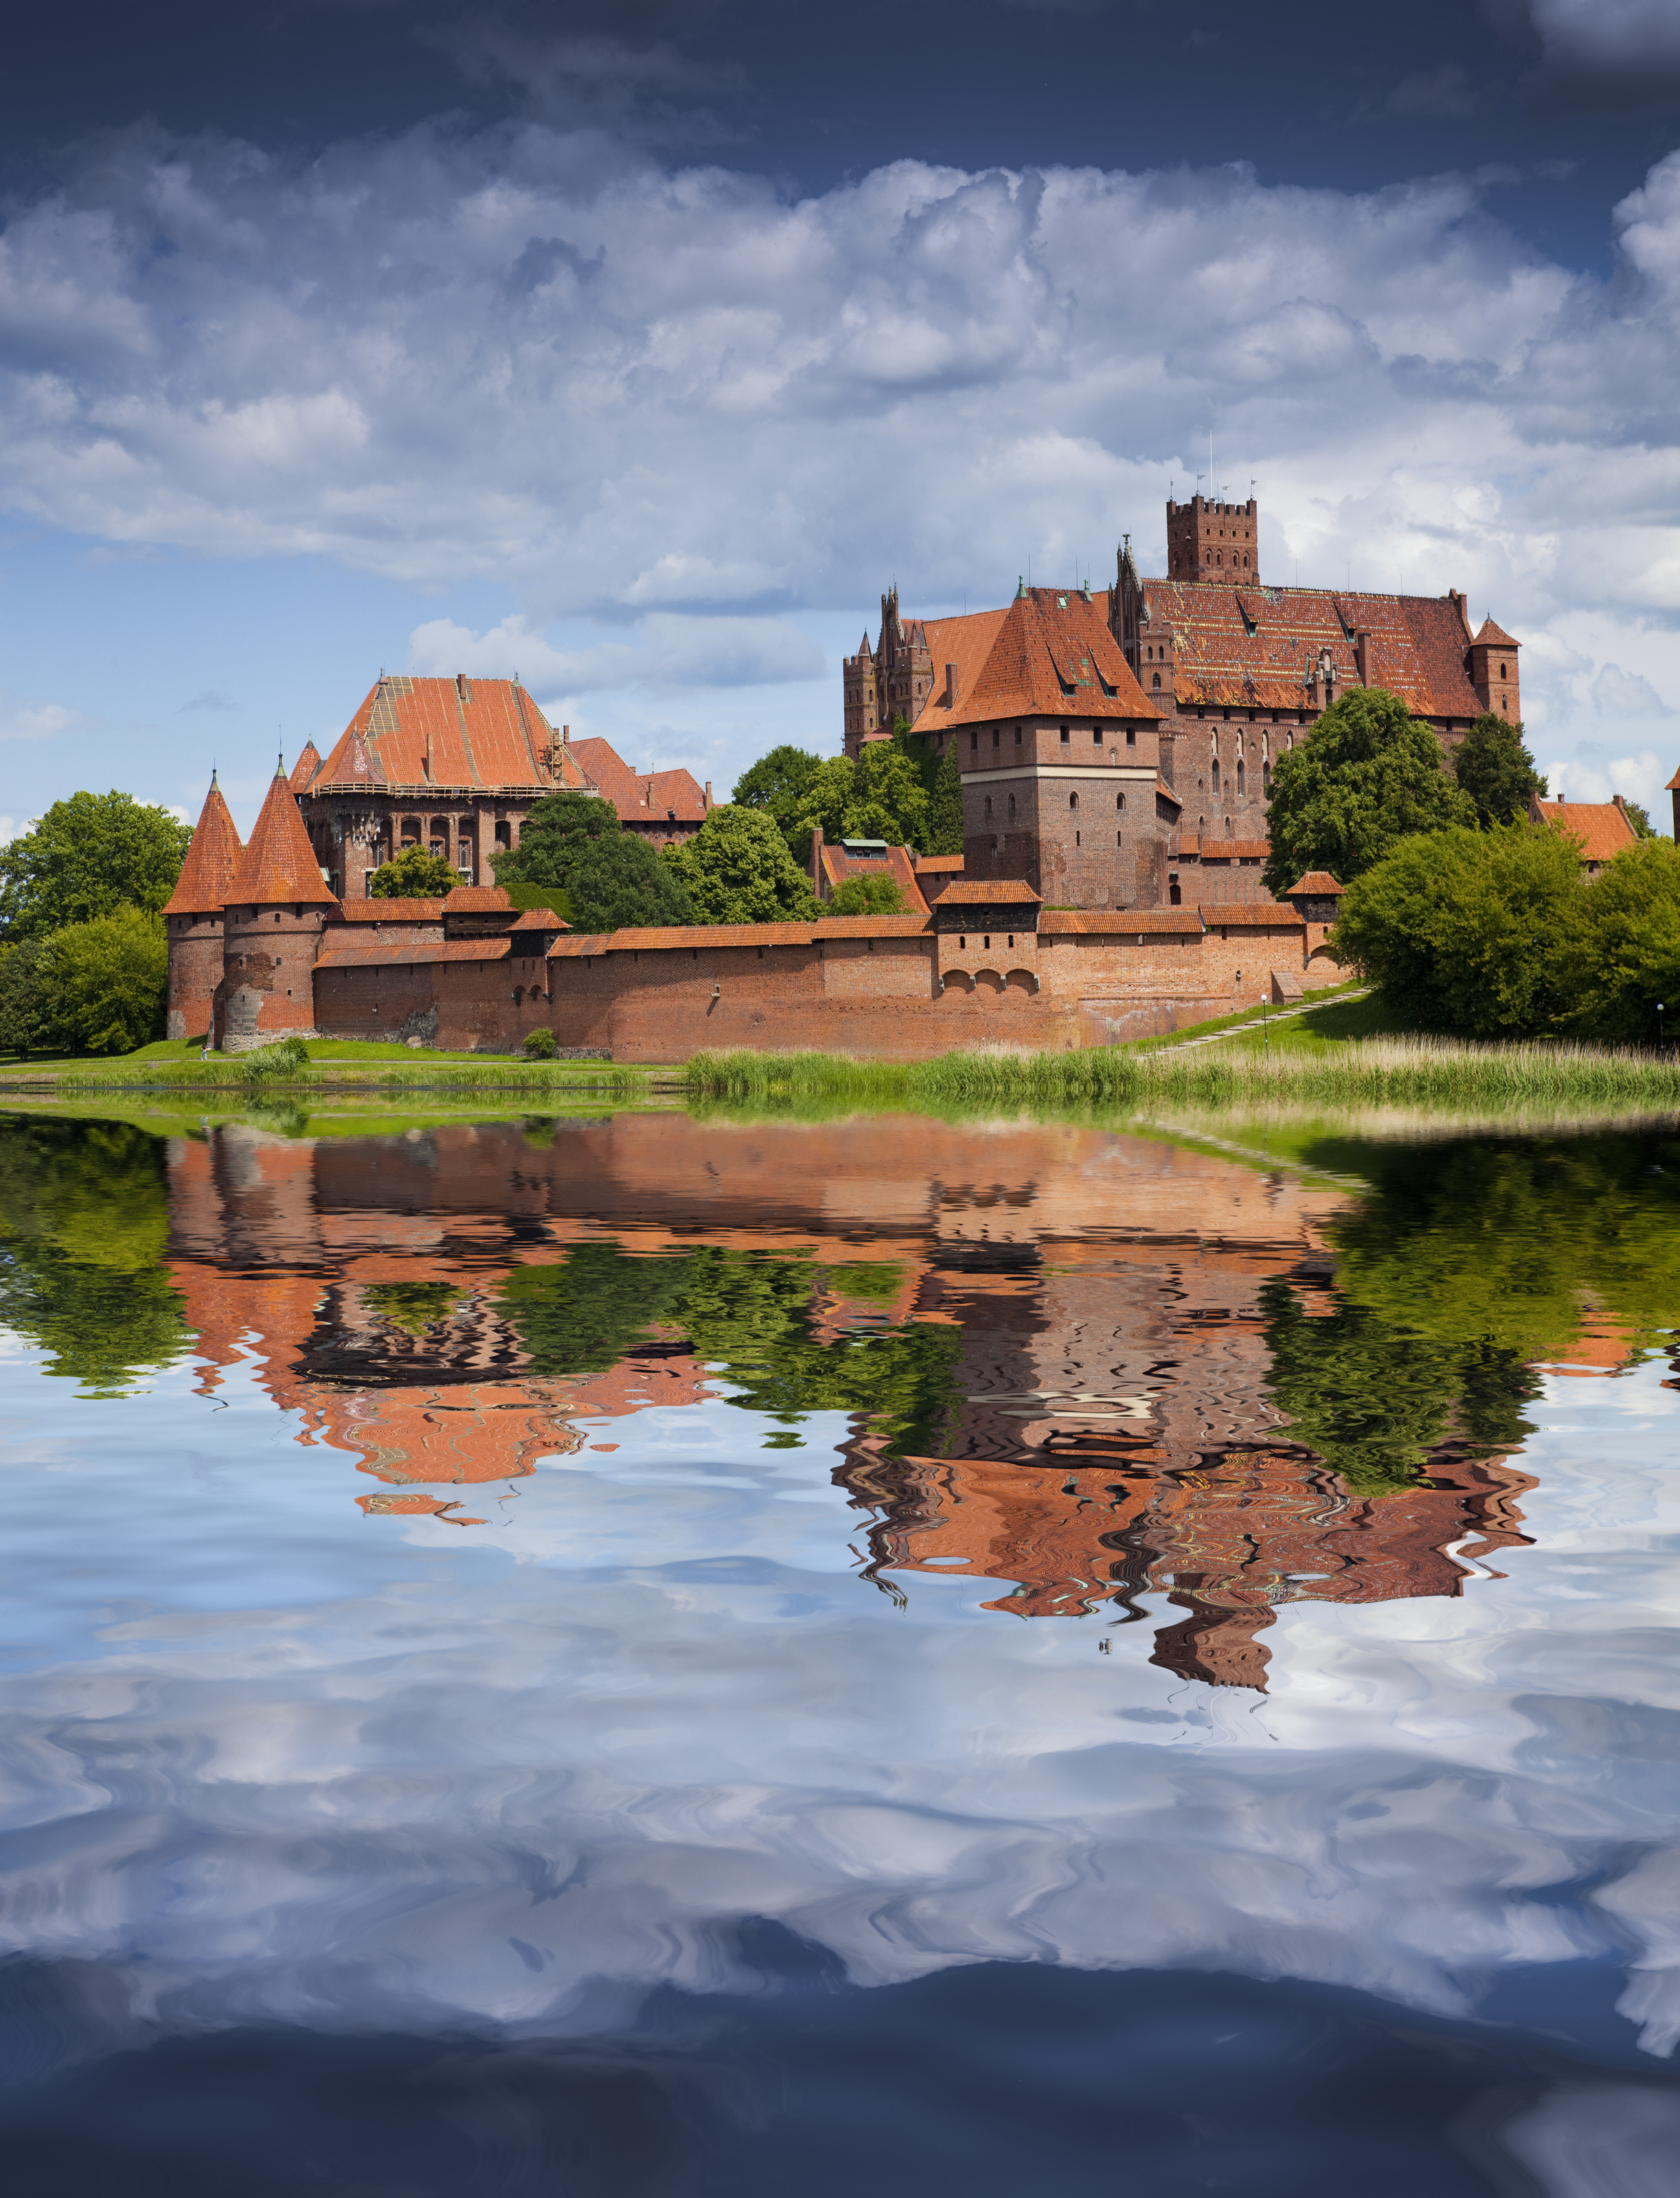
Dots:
pixel 1268 1018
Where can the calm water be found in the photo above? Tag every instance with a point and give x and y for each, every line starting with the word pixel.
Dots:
pixel 667 1656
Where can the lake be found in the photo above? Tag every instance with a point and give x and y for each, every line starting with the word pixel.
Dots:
pixel 672 1653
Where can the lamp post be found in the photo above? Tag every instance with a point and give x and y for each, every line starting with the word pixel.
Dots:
pixel 1659 1025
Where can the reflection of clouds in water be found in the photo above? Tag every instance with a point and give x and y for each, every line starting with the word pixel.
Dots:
pixel 519 1795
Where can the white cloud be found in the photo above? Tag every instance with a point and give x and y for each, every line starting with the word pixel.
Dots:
pixel 1615 36
pixel 210 698
pixel 1618 694
pixel 1643 778
pixel 10 830
pixel 25 720
pixel 533 356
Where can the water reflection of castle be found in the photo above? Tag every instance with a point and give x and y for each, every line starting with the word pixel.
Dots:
pixel 1108 1428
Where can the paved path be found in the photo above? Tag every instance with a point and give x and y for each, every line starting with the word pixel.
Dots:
pixel 1248 1030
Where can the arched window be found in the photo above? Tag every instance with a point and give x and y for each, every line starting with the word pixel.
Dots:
pixel 988 805
pixel 1012 805
pixel 1228 828
pixel 1216 774
pixel 1242 778
pixel 1119 801
pixel 1119 838
pixel 1158 679
pixel 1072 801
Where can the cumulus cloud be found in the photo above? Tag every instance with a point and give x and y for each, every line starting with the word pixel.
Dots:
pixel 1625 50
pixel 22 720
pixel 1618 694
pixel 668 651
pixel 619 389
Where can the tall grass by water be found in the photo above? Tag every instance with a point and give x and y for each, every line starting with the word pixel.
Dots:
pixel 1416 1072
pixel 288 1065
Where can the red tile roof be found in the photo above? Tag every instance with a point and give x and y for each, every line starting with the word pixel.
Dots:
pixel 1251 916
pixel 212 858
pixel 453 949
pixel 656 797
pixel 477 900
pixel 1416 647
pixel 353 764
pixel 961 892
pixel 541 919
pixel 279 865
pixel 708 936
pixel 1318 883
pixel 389 911
pixel 1049 654
pixel 1602 826
pixel 1232 850
pixel 951 865
pixel 1166 792
pixel 304 770
pixel 480 733
pixel 1118 922
pixel 1495 636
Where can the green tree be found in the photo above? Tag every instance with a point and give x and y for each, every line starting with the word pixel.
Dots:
pixel 619 882
pixel 101 987
pixel 876 893
pixel 1640 818
pixel 20 1027
pixel 86 857
pixel 1470 932
pixel 1628 956
pixel 737 869
pixel 83 1233
pixel 777 782
pixel 877 796
pixel 1495 769
pixel 1368 774
pixel 416 873
pixel 945 808
pixel 555 832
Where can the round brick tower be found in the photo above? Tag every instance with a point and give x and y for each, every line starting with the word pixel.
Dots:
pixel 277 905
pixel 192 918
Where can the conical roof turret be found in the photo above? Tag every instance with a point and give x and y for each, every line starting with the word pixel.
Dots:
pixel 279 865
pixel 212 858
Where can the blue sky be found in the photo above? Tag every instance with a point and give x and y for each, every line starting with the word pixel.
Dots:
pixel 637 350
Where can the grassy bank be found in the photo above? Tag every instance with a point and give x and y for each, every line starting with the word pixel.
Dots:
pixel 328 1064
pixel 1316 1070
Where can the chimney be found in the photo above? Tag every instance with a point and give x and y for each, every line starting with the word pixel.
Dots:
pixel 1364 655
pixel 950 686
pixel 566 734
pixel 708 794
pixel 817 862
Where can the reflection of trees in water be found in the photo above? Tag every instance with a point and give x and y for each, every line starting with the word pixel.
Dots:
pixel 754 1317
pixel 84 1226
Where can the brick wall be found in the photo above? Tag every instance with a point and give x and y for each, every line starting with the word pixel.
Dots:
pixel 267 989
pixel 195 949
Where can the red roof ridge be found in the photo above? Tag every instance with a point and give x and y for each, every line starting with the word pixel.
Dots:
pixel 1319 882
pixel 468 900
pixel 279 864
pixel 211 862
pixel 1495 635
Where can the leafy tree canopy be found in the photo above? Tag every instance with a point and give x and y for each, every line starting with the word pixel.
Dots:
pixel 1627 949
pixel 555 832
pixel 777 782
pixel 876 893
pixel 737 869
pixel 619 881
pixel 879 795
pixel 1495 769
pixel 1368 774
pixel 945 808
pixel 1640 818
pixel 1468 931
pixel 414 875
pixel 86 857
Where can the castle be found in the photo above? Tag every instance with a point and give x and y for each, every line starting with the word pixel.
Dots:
pixel 1115 749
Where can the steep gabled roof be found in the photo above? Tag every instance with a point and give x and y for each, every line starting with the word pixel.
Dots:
pixel 353 764
pixel 477 733
pixel 838 866
pixel 304 770
pixel 212 858
pixel 657 797
pixel 1049 654
pixel 1495 635
pixel 1416 649
pixel 279 865
pixel 1602 826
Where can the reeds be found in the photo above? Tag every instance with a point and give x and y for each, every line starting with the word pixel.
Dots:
pixel 1429 1072
pixel 264 1070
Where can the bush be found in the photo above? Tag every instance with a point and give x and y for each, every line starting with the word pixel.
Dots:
pixel 1471 931
pixel 416 873
pixel 539 1045
pixel 1629 956
pixel 282 1058
pixel 877 893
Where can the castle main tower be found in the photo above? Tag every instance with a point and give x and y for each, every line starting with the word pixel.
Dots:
pixel 1217 541
pixel 193 918
pixel 276 905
